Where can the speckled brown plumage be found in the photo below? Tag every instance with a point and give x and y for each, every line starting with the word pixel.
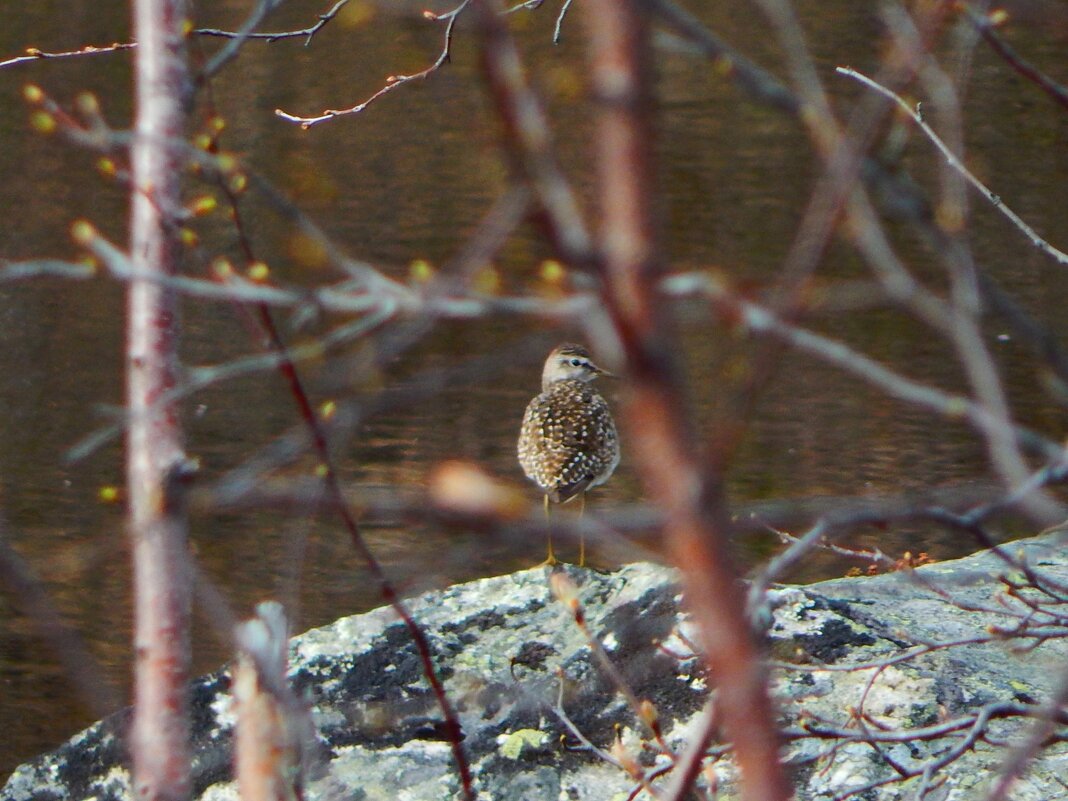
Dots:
pixel 568 441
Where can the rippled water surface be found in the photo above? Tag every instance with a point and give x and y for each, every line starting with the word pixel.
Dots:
pixel 411 178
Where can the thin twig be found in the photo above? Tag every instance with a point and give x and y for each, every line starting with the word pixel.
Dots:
pixel 760 320
pixel 984 23
pixel 1040 243
pixel 392 82
pixel 308 33
pixel 559 26
pixel 529 140
pixel 29 595
pixel 230 50
pixel 41 268
pixel 33 54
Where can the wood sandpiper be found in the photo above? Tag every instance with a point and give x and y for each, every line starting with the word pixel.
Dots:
pixel 568 442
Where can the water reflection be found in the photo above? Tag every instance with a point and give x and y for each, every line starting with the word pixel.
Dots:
pixel 411 178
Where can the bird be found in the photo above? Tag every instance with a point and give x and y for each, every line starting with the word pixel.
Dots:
pixel 568 442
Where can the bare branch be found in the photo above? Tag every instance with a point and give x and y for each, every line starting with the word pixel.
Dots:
pixel 1052 714
pixel 759 83
pixel 951 158
pixel 530 140
pixel 308 33
pixel 558 28
pixel 393 81
pixel 41 268
pixel 760 320
pixel 31 597
pixel 985 23
pixel 661 430
pixel 229 51
pixel 273 730
pixel 33 54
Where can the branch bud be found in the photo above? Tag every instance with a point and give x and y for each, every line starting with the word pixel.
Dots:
pixel 420 271
pixel 87 104
pixel 998 17
pixel 43 121
pixel 203 206
pixel 238 183
pixel 648 714
pixel 83 232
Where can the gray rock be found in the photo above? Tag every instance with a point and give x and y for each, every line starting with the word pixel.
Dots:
pixel 510 654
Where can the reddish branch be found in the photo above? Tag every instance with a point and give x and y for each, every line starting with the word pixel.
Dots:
pixel 288 369
pixel 388 592
pixel 156 463
pixel 658 423
pixel 986 24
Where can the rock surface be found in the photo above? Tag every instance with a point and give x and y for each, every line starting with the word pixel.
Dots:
pixel 524 680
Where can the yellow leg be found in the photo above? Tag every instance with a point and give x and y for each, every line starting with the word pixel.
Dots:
pixel 582 532
pixel 551 559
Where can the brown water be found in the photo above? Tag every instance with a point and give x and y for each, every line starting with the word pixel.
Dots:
pixel 410 178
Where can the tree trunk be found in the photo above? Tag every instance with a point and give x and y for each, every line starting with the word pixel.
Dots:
pixel 156 464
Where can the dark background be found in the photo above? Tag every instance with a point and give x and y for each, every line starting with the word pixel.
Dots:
pixel 410 178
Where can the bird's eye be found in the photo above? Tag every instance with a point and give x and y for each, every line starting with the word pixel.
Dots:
pixel 575 362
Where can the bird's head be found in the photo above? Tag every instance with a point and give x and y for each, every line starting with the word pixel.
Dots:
pixel 570 363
